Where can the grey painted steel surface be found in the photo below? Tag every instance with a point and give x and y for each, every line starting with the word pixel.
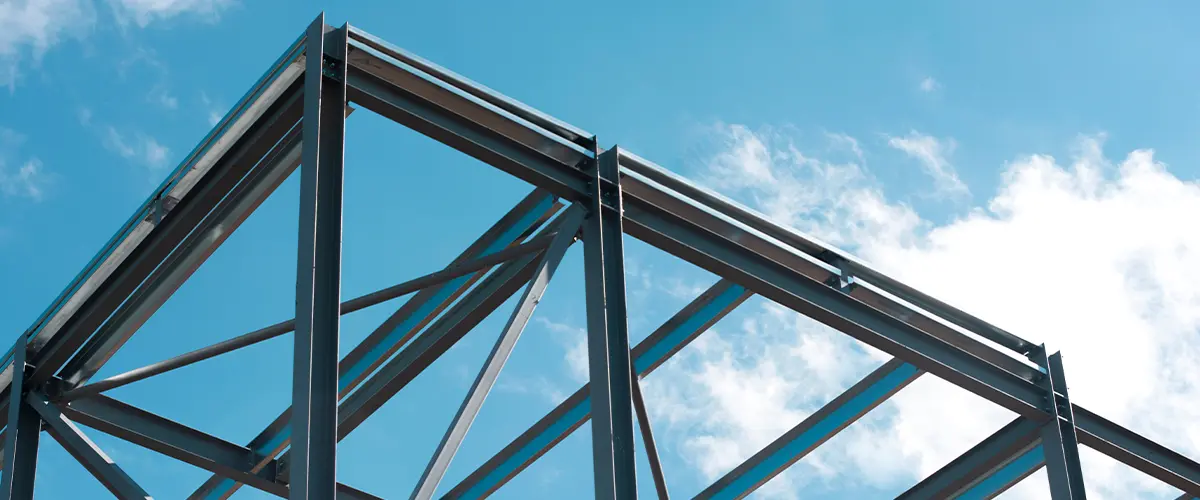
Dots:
pixel 639 407
pixel 285 327
pixel 415 314
pixel 22 435
pixel 812 432
pixel 608 335
pixel 63 430
pixel 980 462
pixel 677 332
pixel 241 161
pixel 505 343
pixel 1059 440
pixel 313 463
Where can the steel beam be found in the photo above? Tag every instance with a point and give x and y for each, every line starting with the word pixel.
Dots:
pixel 1137 451
pixel 383 84
pixel 185 444
pixel 656 471
pixel 63 430
pixel 1007 477
pixel 564 130
pixel 848 264
pixel 694 319
pixel 105 268
pixel 163 240
pixel 608 335
pixel 460 319
pixel 987 469
pixel 442 335
pixel 436 469
pixel 285 327
pixel 819 427
pixel 173 439
pixel 209 235
pixel 22 433
pixel 318 276
pixel 1059 441
pixel 529 214
pixel 430 345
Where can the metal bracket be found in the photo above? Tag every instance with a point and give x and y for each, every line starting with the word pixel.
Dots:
pixel 160 207
pixel 844 282
pixel 332 68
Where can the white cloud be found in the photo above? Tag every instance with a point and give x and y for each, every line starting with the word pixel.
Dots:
pixel 929 84
pixel 1097 258
pixel 28 180
pixel 28 28
pixel 574 340
pixel 144 12
pixel 141 147
pixel 214 111
pixel 933 155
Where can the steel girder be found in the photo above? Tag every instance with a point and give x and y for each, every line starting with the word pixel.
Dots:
pixel 259 143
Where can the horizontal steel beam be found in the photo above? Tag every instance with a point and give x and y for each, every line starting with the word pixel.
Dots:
pixel 1136 451
pixel 706 237
pixel 177 186
pixel 814 431
pixel 77 444
pixel 987 469
pixel 694 319
pixel 564 130
pixel 174 440
pixel 163 241
pixel 186 444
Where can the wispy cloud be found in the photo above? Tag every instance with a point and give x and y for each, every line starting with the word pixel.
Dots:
pixel 1116 231
pixel 138 147
pixel 928 84
pixel 29 28
pixel 933 154
pixel 144 12
pixel 20 176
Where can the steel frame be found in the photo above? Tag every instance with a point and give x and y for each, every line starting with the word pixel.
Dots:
pixel 295 115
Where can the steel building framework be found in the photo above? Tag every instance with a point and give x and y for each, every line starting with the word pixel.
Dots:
pixel 295 117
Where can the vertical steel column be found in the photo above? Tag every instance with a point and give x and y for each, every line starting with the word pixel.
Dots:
pixel 21 437
pixel 608 335
pixel 1059 440
pixel 318 274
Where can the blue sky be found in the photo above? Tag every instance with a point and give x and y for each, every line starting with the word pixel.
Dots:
pixel 1034 164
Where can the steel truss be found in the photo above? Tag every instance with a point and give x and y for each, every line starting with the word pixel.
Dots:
pixel 295 115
